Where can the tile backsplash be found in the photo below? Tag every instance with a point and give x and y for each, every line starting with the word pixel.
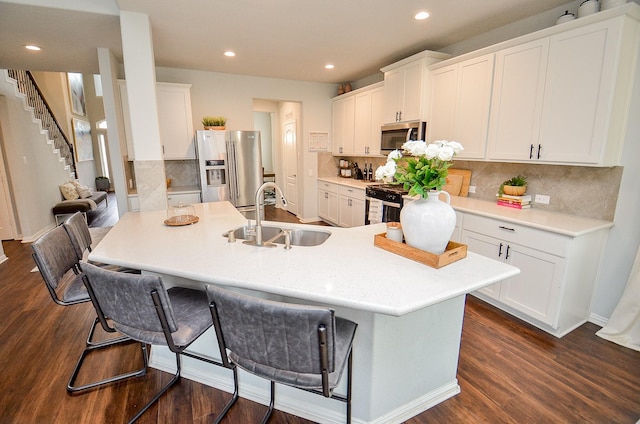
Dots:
pixel 586 191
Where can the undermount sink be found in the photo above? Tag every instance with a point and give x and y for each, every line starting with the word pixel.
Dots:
pixel 299 236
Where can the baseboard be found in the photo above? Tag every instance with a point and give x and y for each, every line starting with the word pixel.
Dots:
pixel 3 258
pixel 598 319
pixel 308 220
pixel 37 235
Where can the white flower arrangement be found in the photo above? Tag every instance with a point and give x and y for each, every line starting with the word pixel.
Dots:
pixel 426 170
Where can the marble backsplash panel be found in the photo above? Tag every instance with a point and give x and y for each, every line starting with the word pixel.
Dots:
pixel 151 184
pixel 586 191
pixel 183 173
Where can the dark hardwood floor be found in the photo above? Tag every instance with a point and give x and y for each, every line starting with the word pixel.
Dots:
pixel 509 372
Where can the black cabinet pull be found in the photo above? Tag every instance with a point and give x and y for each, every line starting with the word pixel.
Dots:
pixel 500 250
pixel 539 148
pixel 502 227
pixel 531 152
pixel 506 256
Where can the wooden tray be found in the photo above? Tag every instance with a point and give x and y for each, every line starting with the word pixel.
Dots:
pixel 454 251
pixel 178 221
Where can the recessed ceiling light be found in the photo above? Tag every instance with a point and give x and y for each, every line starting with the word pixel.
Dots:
pixel 229 53
pixel 329 66
pixel 421 15
pixel 32 47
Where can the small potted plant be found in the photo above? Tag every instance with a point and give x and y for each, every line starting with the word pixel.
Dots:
pixel 214 122
pixel 515 186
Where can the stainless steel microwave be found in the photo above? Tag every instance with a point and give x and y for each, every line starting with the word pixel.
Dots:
pixel 395 135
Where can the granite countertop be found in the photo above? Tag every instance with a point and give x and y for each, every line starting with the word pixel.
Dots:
pixel 347 270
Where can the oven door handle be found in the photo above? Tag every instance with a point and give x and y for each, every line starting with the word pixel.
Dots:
pixel 384 202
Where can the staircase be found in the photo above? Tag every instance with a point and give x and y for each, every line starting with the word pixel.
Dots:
pixel 27 89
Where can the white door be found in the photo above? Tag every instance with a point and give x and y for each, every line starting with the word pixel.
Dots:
pixel 290 153
pixel 7 222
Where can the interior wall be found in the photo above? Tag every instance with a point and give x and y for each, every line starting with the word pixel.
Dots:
pixel 262 122
pixel 35 173
pixel 232 96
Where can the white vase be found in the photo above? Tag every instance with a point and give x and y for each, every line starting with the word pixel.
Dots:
pixel 428 223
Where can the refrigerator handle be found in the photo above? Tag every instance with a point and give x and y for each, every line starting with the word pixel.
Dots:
pixel 233 173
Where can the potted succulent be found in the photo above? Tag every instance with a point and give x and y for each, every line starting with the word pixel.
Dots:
pixel 514 186
pixel 214 122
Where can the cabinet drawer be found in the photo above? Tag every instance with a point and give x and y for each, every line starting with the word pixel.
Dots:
pixel 332 188
pixel 351 192
pixel 545 241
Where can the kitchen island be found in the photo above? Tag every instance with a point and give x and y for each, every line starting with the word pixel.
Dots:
pixel 410 315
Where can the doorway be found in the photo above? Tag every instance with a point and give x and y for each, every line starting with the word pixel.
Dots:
pixel 7 219
pixel 290 165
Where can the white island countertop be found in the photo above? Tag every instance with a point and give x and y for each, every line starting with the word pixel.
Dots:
pixel 346 270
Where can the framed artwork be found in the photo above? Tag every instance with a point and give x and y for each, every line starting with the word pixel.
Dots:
pixel 318 141
pixel 82 139
pixel 76 93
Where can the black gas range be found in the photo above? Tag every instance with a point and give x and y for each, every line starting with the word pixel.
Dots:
pixel 385 202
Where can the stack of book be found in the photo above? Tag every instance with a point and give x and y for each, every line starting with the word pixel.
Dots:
pixel 518 202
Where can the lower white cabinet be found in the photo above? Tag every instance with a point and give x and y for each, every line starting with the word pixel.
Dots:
pixel 557 272
pixel 350 206
pixel 328 201
pixel 342 205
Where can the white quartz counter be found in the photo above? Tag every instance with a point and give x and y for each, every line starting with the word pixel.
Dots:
pixel 560 223
pixel 173 190
pixel 347 270
pixel 350 182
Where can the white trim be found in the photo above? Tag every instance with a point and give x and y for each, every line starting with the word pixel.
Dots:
pixel 598 319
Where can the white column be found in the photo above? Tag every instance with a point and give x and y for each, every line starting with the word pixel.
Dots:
pixel 108 75
pixel 139 67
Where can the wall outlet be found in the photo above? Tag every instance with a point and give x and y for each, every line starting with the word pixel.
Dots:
pixel 542 199
pixel 472 189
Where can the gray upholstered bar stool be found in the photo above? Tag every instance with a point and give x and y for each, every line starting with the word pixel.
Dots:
pixel 140 307
pixel 302 346
pixel 56 259
pixel 83 238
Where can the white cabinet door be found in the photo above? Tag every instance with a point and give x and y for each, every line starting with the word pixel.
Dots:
pixel 473 102
pixel 362 124
pixel 343 125
pixel 535 291
pixel 460 104
pixel 516 102
pixel 351 204
pixel 578 93
pixel 368 120
pixel 377 109
pixel 328 205
pixel 485 246
pixel 175 120
pixel 133 203
pixel 444 87
pixel 174 117
pixel 411 109
pixel 393 93
pixel 403 92
pixel 345 211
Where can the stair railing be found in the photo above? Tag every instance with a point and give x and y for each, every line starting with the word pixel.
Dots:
pixel 35 99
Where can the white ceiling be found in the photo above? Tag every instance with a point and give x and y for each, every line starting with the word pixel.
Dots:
pixel 290 39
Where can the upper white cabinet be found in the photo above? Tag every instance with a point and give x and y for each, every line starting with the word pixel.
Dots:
pixel 516 105
pixel 579 93
pixel 343 125
pixel 368 121
pixel 405 87
pixel 459 104
pixel 564 98
pixel 174 116
pixel 176 123
pixel 356 121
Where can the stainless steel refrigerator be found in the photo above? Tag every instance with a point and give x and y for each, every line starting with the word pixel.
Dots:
pixel 231 170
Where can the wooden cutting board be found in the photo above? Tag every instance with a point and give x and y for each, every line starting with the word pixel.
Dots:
pixel 454 182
